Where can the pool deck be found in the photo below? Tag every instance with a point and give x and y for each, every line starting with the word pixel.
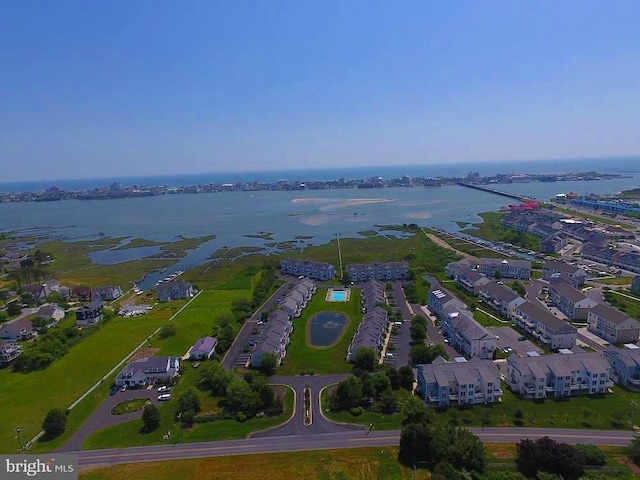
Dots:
pixel 344 295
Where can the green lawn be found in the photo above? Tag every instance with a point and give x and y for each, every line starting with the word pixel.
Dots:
pixel 629 306
pixel 301 356
pixel 595 218
pixel 491 229
pixel 614 280
pixel 129 434
pixel 26 398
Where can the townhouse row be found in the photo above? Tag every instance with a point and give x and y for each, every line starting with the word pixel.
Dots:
pixel 373 328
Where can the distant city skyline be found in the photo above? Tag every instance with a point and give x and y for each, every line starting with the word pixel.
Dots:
pixel 117 89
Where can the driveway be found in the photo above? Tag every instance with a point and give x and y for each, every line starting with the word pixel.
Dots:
pixel 102 417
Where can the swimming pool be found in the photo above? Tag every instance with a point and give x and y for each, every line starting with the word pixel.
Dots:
pixel 338 295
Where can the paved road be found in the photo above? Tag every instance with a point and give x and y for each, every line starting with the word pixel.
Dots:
pixel 319 423
pixel 347 439
pixel 102 417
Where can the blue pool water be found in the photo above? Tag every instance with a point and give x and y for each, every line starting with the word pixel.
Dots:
pixel 338 296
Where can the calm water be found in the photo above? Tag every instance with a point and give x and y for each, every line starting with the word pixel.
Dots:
pixel 325 328
pixel 231 216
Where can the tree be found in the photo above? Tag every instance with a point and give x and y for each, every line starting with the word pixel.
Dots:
pixel 365 359
pixel 497 274
pixel 416 440
pixel 14 308
pixel 415 411
pixel 394 377
pixel 348 394
pixel 418 333
pixel 592 454
pixel 54 423
pixel 168 330
pixel 446 471
pixel 419 320
pixel 419 354
pixel 150 417
pixel 406 377
pixel 459 447
pixel 213 377
pixel 268 364
pixel 633 450
pixel 381 383
pixel 241 397
pixel 189 400
pixel 346 278
pixel 547 455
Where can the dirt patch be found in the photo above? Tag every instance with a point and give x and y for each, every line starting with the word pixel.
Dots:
pixel 144 353
pixel 635 469
pixel 438 241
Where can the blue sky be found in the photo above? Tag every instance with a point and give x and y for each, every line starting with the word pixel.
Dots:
pixel 92 89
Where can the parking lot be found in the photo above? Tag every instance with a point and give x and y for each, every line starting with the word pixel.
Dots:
pixel 509 340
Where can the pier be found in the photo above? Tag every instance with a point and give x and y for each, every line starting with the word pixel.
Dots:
pixel 522 198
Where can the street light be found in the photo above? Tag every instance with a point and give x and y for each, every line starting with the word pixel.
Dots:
pixel 19 439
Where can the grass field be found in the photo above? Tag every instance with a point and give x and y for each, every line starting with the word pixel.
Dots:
pixel 491 229
pixel 614 280
pixel 26 398
pixel 595 218
pixel 301 356
pixel 629 306
pixel 129 434
pixel 360 463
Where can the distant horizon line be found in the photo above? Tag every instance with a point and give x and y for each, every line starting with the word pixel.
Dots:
pixel 317 169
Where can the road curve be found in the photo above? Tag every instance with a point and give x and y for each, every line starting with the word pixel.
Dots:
pixel 325 441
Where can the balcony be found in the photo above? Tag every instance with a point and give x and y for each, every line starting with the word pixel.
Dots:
pixel 634 381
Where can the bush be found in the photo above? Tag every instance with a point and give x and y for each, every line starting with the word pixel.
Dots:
pixel 241 417
pixel 592 454
pixel 356 411
pixel 54 423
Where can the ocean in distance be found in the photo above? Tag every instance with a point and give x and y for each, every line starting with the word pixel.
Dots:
pixel 625 165
pixel 288 215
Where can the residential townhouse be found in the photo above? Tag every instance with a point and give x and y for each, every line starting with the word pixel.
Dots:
pixel 443 384
pixel 9 351
pixel 19 329
pixel 553 244
pixel 148 371
pixel 547 328
pixel 558 375
pixel 371 332
pixel 107 293
pixel 316 270
pixel 622 258
pixel 89 314
pixel 500 298
pixel 466 335
pixel 372 295
pixel 274 339
pixel 389 271
pixel 174 290
pixel 612 325
pixel 576 274
pixel 570 301
pixel 471 281
pixel 511 268
pixel 453 269
pixel 625 366
pixel 440 299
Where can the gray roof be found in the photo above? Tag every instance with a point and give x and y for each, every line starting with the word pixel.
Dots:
pixel 542 315
pixel 561 364
pixel 473 275
pixel 511 261
pixel 205 344
pixel 444 374
pixel 564 289
pixel 500 291
pixel 562 267
pixel 612 315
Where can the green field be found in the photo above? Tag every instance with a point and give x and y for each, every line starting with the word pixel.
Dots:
pixel 129 434
pixel 628 305
pixel 360 463
pixel 491 229
pixel 595 218
pixel 303 357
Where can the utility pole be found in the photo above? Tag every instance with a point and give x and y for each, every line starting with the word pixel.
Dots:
pixel 19 439
pixel 339 254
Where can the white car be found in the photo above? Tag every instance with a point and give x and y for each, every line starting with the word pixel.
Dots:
pixel 164 389
pixel 164 397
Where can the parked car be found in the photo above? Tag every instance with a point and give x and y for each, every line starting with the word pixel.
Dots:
pixel 124 388
pixel 164 389
pixel 165 397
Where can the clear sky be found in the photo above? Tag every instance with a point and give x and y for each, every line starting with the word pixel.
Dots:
pixel 116 88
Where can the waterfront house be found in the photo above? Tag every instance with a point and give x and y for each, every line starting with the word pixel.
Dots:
pixel 442 384
pixel 107 293
pixel 558 375
pixel 316 270
pixel 203 348
pixel 612 325
pixel 149 371
pixel 378 271
pixel 454 268
pixel 174 290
